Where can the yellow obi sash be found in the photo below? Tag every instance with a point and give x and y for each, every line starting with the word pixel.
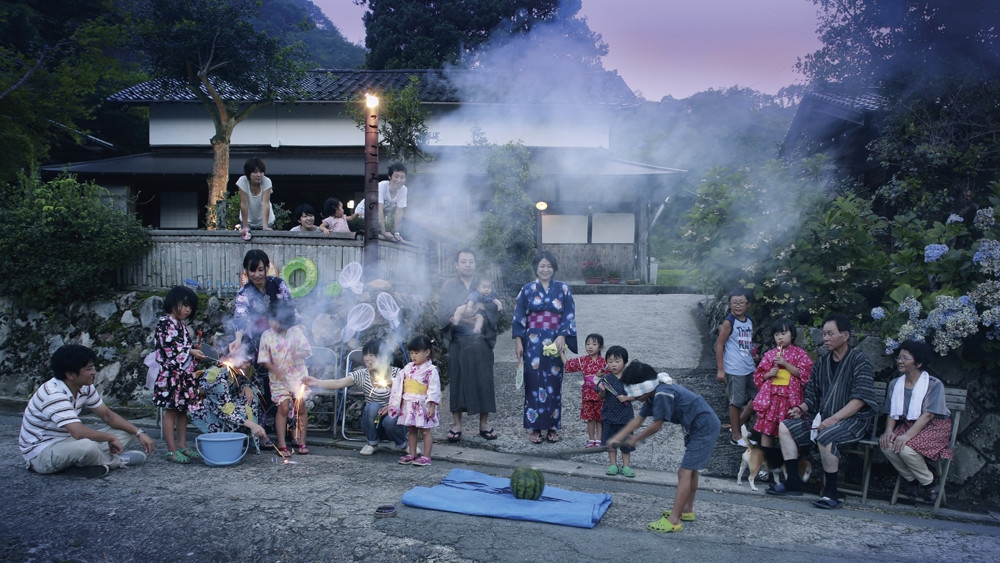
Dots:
pixel 414 387
pixel 782 378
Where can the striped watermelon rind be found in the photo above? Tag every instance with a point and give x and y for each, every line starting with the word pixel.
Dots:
pixel 527 483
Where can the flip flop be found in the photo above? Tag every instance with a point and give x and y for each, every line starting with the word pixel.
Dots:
pixel 454 436
pixel 303 450
pixel 552 437
pixel 664 525
pixel 535 438
pixel 488 434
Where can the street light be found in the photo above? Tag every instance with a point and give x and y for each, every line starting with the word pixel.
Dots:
pixel 372 219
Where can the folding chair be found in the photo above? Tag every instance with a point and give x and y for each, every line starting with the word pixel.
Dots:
pixel 955 400
pixel 321 359
pixel 354 360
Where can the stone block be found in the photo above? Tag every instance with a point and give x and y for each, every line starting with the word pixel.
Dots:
pixel 150 310
pixel 874 348
pixel 967 463
pixel 985 436
pixel 55 341
pixel 105 309
pixel 128 319
pixel 108 375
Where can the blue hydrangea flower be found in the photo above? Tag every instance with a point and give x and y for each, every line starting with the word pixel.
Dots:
pixel 933 252
pixel 984 219
pixel 890 346
pixel 953 218
pixel 965 300
pixel 878 313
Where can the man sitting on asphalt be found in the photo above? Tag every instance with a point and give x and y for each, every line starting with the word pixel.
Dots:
pixel 53 438
pixel 841 390
pixel 376 423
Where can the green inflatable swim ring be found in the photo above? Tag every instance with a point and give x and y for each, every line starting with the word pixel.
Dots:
pixel 308 267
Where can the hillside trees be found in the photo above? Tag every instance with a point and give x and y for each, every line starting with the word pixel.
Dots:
pixel 54 73
pixel 213 48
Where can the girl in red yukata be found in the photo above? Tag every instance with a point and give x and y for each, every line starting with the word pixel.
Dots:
pixel 592 366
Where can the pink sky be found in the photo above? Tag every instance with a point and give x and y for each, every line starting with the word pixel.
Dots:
pixel 677 48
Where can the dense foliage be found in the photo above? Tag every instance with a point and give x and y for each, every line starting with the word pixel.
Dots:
pixel 301 21
pixel 55 72
pixel 62 241
pixel 914 255
pixel 405 34
pixel 506 235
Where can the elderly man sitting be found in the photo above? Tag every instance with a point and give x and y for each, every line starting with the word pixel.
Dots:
pixel 52 436
pixel 842 392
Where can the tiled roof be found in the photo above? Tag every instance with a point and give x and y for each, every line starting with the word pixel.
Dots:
pixel 436 86
pixel 866 101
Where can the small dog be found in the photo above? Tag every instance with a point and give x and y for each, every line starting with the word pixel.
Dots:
pixel 753 459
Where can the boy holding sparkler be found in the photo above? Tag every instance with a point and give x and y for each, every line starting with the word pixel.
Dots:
pixel 374 381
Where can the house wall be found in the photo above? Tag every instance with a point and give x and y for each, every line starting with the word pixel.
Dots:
pixel 327 125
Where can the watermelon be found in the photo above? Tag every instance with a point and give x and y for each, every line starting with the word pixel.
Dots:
pixel 527 483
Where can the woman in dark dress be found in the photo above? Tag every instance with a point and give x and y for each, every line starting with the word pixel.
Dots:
pixel 470 355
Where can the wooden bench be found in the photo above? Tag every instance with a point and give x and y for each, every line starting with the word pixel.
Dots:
pixel 955 400
pixel 865 448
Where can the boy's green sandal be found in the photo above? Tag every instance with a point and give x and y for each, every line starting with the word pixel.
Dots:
pixel 685 516
pixel 663 525
pixel 177 457
pixel 191 453
pixel 627 471
pixel 612 470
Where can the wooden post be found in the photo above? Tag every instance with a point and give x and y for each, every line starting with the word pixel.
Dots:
pixel 373 223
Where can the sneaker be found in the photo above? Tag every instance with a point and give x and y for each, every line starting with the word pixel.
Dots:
pixel 131 458
pixel 88 471
pixel 422 461
pixel 368 449
pixel 406 459
pixel 402 447
pixel 741 442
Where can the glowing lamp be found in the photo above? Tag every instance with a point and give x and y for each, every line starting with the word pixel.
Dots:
pixel 541 206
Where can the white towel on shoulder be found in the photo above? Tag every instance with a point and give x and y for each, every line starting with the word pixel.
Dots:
pixel 916 397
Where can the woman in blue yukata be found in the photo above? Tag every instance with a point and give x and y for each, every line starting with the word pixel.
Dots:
pixel 544 323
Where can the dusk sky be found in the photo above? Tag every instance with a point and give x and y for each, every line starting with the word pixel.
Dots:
pixel 677 48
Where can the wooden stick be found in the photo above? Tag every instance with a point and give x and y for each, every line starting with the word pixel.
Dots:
pixel 574 451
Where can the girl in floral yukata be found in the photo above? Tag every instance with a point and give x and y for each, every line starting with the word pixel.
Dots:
pixel 544 323
pixel 415 396
pixel 176 388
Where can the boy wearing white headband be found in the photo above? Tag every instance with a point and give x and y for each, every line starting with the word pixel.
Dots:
pixel 666 401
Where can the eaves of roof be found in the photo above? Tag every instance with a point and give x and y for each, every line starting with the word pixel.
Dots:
pixel 434 87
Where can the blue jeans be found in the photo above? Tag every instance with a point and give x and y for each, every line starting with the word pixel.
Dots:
pixel 387 428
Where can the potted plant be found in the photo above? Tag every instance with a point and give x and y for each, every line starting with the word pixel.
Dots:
pixel 593 272
pixel 614 276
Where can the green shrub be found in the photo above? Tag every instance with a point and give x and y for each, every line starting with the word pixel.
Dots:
pixel 282 216
pixel 63 242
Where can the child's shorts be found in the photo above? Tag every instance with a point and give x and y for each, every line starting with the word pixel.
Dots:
pixel 740 389
pixel 608 431
pixel 699 442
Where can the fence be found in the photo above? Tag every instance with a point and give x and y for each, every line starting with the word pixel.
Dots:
pixel 213 257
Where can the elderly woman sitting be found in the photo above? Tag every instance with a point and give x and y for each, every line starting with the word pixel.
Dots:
pixel 919 423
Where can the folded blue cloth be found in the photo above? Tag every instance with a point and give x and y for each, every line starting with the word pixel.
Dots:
pixel 478 494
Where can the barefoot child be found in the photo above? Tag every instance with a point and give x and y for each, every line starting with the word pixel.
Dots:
pixel 592 366
pixel 735 363
pixel 415 396
pixel 781 378
pixel 666 401
pixel 176 388
pixel 616 411
pixel 477 299
pixel 283 350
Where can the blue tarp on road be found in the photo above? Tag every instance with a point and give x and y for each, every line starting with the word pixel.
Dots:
pixel 478 494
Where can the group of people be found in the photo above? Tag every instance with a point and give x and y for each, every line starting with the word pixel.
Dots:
pixel 831 402
pixel 256 211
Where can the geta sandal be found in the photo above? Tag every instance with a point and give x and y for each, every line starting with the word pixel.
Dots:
pixel 552 436
pixel 535 438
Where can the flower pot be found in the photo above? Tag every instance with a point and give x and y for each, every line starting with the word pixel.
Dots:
pixel 614 281
pixel 593 280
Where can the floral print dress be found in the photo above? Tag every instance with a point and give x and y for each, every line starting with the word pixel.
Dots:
pixel 773 401
pixel 176 386
pixel 590 407
pixel 412 388
pixel 225 408
pixel 540 316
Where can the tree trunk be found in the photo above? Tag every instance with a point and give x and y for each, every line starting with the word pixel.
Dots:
pixel 218 182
